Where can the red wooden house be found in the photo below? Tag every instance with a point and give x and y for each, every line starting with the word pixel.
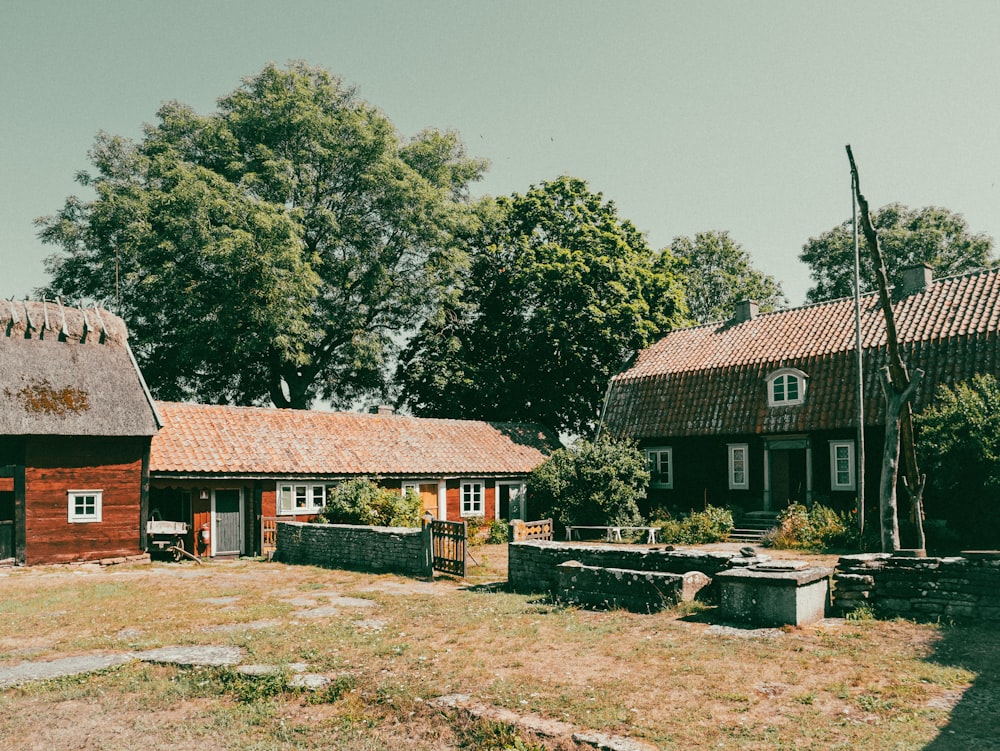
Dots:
pixel 223 469
pixel 75 427
pixel 761 410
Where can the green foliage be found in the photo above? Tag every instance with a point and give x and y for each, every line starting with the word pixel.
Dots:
pixel 491 735
pixel 699 527
pixel 597 482
pixel 333 691
pixel 815 528
pixel 861 613
pixel 361 501
pixel 559 294
pixel 959 448
pixel 931 235
pixel 270 251
pixel 718 274
pixel 499 532
pixel 248 689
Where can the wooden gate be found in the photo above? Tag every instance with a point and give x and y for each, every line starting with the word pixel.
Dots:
pixel 448 547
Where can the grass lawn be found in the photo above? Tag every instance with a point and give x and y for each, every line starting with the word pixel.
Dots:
pixel 671 679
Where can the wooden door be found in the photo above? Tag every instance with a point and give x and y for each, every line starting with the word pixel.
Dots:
pixel 227 534
pixel 429 497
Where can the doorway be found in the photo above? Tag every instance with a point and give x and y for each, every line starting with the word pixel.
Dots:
pixel 510 498
pixel 227 535
pixel 787 472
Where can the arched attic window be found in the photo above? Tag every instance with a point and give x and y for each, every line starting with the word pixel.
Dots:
pixel 786 386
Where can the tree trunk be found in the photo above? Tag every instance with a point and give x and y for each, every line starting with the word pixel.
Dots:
pixel 894 406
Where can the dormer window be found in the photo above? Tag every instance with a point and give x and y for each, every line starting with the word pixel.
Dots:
pixel 785 387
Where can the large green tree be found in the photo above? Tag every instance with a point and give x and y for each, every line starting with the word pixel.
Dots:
pixel 271 251
pixel 932 235
pixel 559 293
pixel 719 273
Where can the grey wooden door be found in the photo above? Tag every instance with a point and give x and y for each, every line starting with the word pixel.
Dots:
pixel 227 522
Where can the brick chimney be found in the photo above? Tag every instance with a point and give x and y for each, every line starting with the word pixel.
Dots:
pixel 381 409
pixel 915 278
pixel 746 310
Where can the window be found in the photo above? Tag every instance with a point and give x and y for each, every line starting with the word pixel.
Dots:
pixel 84 506
pixel 785 387
pixel 842 465
pixel 660 463
pixel 472 499
pixel 307 498
pixel 739 474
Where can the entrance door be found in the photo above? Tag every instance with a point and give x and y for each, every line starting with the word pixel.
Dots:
pixel 511 500
pixel 788 477
pixel 227 535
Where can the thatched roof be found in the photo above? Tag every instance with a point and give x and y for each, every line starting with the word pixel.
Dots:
pixel 69 371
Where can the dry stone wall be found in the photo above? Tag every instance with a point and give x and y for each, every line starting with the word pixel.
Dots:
pixel 532 565
pixel 376 549
pixel 965 587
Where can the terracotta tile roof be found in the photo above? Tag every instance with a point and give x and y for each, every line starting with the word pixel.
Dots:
pixel 711 379
pixel 251 441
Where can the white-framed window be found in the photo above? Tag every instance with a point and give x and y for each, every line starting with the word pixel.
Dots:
pixel 414 486
pixel 301 498
pixel 785 387
pixel 660 463
pixel 739 466
pixel 472 498
pixel 84 506
pixel 842 465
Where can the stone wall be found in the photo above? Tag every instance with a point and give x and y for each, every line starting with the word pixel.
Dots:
pixel 398 550
pixel 640 591
pixel 924 588
pixel 532 565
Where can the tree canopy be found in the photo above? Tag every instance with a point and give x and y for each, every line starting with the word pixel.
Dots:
pixel 932 235
pixel 559 294
pixel 271 251
pixel 718 274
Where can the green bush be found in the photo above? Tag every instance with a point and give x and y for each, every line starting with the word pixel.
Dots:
pixel 699 527
pixel 816 528
pixel 959 448
pixel 499 532
pixel 596 483
pixel 363 502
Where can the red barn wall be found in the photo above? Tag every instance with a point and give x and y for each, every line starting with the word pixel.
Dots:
pixel 55 465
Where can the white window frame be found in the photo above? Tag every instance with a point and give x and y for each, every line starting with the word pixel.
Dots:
pixel 734 449
pixel 782 376
pixel 475 508
pixel 308 489
pixel 654 463
pixel 74 517
pixel 851 484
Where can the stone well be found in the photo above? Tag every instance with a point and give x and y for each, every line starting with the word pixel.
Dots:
pixel 776 593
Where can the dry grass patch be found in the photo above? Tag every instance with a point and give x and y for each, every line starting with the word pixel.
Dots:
pixel 668 680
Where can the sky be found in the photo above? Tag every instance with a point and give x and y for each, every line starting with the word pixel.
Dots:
pixel 689 116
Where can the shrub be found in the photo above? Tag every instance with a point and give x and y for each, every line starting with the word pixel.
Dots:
pixel 499 532
pixel 363 502
pixel 959 447
pixel 699 527
pixel 591 483
pixel 816 528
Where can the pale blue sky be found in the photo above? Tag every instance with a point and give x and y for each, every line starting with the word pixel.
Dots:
pixel 690 116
